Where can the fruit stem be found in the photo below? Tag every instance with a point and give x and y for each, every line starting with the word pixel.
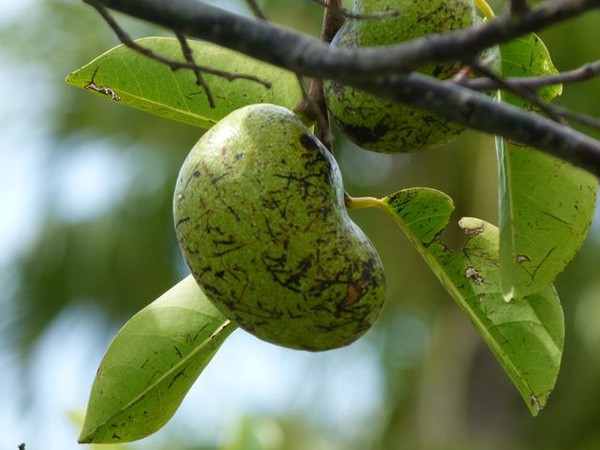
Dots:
pixel 361 202
pixel 486 9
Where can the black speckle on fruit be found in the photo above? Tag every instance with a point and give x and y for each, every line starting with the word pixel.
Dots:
pixel 267 236
pixel 365 135
pixel 308 142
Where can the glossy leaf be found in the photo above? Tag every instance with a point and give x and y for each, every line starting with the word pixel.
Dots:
pixel 546 205
pixel 127 77
pixel 152 363
pixel 528 56
pixel 526 336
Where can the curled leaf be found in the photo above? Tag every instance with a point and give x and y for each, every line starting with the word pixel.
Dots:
pixel 526 336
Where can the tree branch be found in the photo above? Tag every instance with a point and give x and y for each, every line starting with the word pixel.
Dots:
pixel 309 56
pixel 481 113
pixel 583 73
pixel 379 70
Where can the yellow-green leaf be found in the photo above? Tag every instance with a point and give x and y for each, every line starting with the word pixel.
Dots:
pixel 152 363
pixel 528 56
pixel 127 77
pixel 546 204
pixel 526 336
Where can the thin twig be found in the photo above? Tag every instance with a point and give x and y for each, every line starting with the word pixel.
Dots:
pixel 189 57
pixel 584 119
pixel 308 106
pixel 333 19
pixel 381 70
pixel 301 53
pixel 126 40
pixel 524 87
pixel 257 10
pixel 522 92
pixel 313 103
pixel 583 73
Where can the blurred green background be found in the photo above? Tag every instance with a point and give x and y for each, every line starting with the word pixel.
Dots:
pixel 86 240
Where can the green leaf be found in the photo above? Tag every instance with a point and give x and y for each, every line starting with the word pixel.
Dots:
pixel 526 336
pixel 528 56
pixel 130 78
pixel 546 209
pixel 152 363
pixel 546 205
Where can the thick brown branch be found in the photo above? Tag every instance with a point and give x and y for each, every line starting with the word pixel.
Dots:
pixel 366 68
pixel 311 57
pixel 482 113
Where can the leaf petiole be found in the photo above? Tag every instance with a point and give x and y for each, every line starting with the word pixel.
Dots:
pixel 485 8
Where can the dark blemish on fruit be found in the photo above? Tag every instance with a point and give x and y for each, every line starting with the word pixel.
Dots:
pixel 229 250
pixel 303 182
pixel 214 181
pixel 305 278
pixel 365 135
pixel 182 221
pixel 308 143
pixel 233 212
pixel 352 295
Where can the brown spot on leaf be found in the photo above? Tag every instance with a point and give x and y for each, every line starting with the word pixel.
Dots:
pixel 474 230
pixel 473 274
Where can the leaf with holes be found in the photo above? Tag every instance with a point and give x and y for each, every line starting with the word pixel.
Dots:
pixel 546 205
pixel 123 75
pixel 526 336
pixel 152 363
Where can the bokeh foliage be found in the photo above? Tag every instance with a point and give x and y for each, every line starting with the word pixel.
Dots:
pixel 447 394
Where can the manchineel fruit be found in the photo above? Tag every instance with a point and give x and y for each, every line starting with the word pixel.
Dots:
pixel 384 126
pixel 260 218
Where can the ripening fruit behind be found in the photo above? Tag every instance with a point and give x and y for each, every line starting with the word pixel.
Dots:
pixel 260 218
pixel 384 126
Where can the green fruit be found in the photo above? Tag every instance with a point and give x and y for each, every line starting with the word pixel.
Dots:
pixel 260 218
pixel 384 126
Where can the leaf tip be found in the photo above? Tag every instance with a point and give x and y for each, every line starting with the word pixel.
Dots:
pixel 85 438
pixel 69 79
